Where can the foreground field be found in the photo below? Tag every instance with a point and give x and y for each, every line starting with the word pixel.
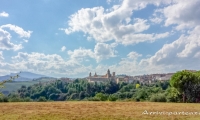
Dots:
pixel 98 111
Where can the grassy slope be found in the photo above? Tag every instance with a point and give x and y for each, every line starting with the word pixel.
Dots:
pixel 13 86
pixel 95 111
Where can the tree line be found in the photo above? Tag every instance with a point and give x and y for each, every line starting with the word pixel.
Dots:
pixel 184 86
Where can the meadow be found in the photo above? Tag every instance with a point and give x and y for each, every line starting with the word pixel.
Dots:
pixel 85 110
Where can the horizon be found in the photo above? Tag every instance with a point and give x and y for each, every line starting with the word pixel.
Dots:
pixel 73 38
pixel 92 74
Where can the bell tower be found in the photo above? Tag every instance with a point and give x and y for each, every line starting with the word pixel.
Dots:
pixel 108 74
pixel 90 74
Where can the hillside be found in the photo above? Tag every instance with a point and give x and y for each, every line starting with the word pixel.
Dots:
pixel 15 85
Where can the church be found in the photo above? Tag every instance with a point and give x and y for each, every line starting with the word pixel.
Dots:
pixel 102 78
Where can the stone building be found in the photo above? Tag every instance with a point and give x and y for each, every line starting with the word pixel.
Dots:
pixel 101 78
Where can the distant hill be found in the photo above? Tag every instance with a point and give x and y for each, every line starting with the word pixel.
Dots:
pixel 23 76
pixel 15 85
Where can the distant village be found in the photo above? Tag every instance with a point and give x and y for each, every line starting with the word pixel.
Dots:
pixel 143 79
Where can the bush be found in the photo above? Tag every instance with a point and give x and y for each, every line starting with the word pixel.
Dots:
pixel 158 98
pixel 3 99
pixel 112 98
pixel 28 99
pixel 137 99
pixel 15 99
pixel 101 96
pixel 94 99
pixel 42 99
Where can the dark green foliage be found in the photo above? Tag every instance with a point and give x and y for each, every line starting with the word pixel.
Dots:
pixel 112 97
pixel 101 96
pixel 3 99
pixel 42 99
pixel 82 90
pixel 158 98
pixel 187 84
pixel 28 99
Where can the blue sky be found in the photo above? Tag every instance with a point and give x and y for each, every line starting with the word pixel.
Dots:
pixel 68 38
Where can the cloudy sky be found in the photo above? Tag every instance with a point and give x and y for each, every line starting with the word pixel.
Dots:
pixel 73 37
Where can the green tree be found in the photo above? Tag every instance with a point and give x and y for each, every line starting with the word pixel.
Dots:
pixel 184 82
pixel 42 99
pixel 137 86
pixel 9 80
pixel 101 96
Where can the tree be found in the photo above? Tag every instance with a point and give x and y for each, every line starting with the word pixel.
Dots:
pixel 184 82
pixel 5 81
pixel 137 86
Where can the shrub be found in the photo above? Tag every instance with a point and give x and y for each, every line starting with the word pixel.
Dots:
pixel 93 99
pixel 112 98
pixel 42 99
pixel 15 99
pixel 101 96
pixel 28 99
pixel 158 98
pixel 3 99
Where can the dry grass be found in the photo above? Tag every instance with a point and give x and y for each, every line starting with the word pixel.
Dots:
pixel 95 111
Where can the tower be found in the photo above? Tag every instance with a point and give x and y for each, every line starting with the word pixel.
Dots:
pixel 113 74
pixel 108 74
pixel 95 75
pixel 90 74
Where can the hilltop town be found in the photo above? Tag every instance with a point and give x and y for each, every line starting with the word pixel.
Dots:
pixel 143 79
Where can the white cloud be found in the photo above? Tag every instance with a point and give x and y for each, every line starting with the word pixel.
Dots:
pixel 25 40
pixel 133 55
pixel 80 54
pixel 108 1
pixel 63 48
pixel 101 51
pixel 184 14
pixel 137 38
pixel 183 53
pixel 5 41
pixel 18 30
pixel 4 14
pixel 156 20
pixel 1 56
pixel 50 64
pixel 115 24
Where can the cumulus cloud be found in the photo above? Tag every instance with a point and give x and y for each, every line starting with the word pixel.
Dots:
pixel 137 38
pixel 48 64
pixel 184 14
pixel 183 53
pixel 25 40
pixel 18 30
pixel 133 55
pixel 4 14
pixel 80 54
pixel 5 41
pixel 63 48
pixel 101 51
pixel 115 24
pixel 180 54
pixel 5 37
pixel 1 55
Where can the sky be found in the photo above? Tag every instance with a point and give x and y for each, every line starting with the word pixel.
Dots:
pixel 70 38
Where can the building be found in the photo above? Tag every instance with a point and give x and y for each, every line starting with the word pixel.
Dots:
pixel 101 78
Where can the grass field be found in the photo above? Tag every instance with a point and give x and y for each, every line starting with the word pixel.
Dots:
pixel 96 111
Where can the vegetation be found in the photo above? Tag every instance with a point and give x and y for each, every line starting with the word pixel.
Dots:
pixel 82 90
pixel 5 81
pixel 183 87
pixel 187 85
